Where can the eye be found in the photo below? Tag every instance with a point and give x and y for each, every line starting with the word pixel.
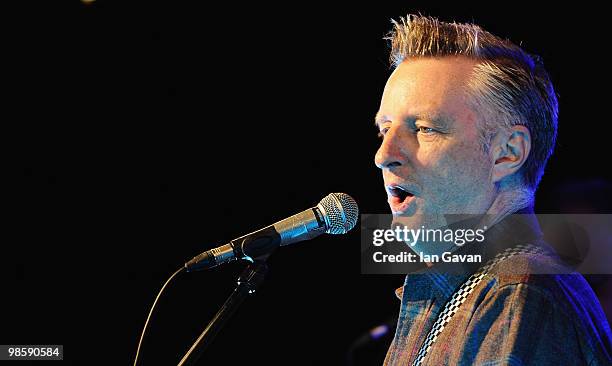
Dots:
pixel 383 132
pixel 425 130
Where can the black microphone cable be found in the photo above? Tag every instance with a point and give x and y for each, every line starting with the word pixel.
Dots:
pixel 336 213
pixel 151 312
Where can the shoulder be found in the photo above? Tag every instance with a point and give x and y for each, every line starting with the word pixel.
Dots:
pixel 543 275
pixel 543 292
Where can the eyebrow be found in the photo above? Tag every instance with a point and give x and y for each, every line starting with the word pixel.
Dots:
pixel 378 119
pixel 438 119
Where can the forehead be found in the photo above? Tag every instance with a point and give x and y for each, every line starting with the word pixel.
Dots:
pixel 428 86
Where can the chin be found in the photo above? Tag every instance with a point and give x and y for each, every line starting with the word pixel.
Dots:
pixel 418 219
pixel 411 221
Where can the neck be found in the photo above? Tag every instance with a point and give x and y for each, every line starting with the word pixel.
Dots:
pixel 507 202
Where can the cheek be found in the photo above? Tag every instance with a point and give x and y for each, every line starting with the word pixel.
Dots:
pixel 444 160
pixel 456 173
pixel 471 159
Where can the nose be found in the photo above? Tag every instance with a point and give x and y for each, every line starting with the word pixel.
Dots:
pixel 390 154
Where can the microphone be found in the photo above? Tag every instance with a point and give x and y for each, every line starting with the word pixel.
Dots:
pixel 336 214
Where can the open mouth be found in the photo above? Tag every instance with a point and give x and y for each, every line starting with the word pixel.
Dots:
pixel 400 193
pixel 400 199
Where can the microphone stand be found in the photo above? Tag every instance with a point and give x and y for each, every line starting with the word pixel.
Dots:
pixel 248 282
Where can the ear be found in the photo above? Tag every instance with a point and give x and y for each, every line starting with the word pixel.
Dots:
pixel 510 151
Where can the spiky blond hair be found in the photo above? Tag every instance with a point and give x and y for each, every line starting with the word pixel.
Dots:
pixel 510 86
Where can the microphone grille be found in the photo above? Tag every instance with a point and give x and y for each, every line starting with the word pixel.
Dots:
pixel 340 212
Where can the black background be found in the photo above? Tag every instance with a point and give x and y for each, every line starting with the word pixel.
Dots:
pixel 141 134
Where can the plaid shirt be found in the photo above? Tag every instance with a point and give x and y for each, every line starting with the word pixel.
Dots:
pixel 529 310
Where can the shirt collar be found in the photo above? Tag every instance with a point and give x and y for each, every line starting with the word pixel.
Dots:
pixel 441 280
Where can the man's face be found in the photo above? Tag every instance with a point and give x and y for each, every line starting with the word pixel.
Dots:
pixel 430 155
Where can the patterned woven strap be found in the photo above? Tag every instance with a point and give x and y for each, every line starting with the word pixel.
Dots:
pixel 459 296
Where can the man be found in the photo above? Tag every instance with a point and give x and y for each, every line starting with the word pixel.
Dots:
pixel 468 122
